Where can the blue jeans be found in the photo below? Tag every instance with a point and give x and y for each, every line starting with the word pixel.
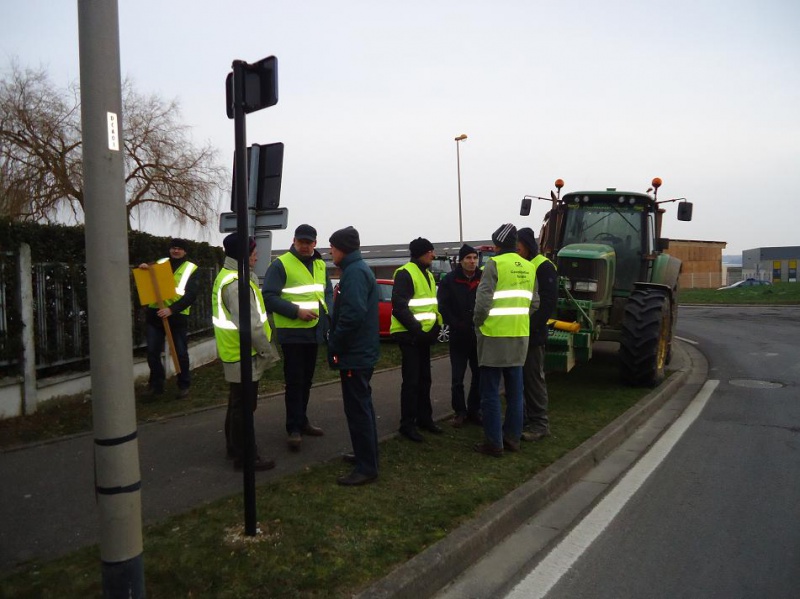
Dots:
pixel 155 345
pixel 494 428
pixel 357 396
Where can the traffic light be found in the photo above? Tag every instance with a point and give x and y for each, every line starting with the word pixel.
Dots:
pixel 264 181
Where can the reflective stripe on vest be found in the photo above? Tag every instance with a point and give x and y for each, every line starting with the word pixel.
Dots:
pixel 511 301
pixel 423 305
pixel 303 289
pixel 181 277
pixel 225 331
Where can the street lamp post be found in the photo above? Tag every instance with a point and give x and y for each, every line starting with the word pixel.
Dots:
pixel 461 137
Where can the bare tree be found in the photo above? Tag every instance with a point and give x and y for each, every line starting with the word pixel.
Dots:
pixel 41 163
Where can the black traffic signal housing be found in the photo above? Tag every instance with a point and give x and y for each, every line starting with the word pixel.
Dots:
pixel 266 178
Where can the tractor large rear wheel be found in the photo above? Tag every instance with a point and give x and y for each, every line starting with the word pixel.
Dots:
pixel 645 338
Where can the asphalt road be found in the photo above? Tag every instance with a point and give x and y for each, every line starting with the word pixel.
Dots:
pixel 718 517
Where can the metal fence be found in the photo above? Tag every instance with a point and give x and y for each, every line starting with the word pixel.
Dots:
pixel 61 328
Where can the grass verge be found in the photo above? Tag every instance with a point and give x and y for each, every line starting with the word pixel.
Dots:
pixel 776 294
pixel 321 540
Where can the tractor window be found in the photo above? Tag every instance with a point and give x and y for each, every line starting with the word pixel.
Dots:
pixel 620 228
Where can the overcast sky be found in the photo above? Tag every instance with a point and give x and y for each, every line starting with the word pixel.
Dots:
pixel 704 94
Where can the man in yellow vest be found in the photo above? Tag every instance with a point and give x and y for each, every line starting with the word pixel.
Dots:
pixel 176 310
pixel 227 322
pixel 505 299
pixel 415 326
pixel 536 423
pixel 297 292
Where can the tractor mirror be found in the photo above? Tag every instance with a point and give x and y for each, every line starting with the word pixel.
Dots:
pixel 525 207
pixel 685 211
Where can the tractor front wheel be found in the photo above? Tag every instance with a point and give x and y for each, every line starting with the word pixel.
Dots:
pixel 645 339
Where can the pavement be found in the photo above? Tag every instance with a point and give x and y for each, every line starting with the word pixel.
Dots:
pixel 47 505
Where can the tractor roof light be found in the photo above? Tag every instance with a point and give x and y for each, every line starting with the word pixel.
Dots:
pixel 656 183
pixel 559 183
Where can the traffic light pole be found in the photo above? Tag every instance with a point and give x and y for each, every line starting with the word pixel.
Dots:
pixel 245 335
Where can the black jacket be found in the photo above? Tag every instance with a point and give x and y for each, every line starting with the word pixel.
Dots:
pixel 354 337
pixel 456 297
pixel 547 286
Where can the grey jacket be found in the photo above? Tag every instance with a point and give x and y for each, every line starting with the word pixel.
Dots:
pixel 497 352
pixel 267 354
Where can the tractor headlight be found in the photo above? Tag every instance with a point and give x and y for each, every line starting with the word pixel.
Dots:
pixel 586 286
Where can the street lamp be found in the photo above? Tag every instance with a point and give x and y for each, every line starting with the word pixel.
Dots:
pixel 461 137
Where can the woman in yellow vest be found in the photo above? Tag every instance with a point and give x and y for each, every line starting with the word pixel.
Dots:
pixel 503 304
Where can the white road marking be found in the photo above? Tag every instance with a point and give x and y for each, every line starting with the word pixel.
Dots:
pixel 686 340
pixel 550 570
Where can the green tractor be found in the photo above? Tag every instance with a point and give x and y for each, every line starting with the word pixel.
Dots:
pixel 615 281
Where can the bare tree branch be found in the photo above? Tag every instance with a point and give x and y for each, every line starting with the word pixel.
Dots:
pixel 41 168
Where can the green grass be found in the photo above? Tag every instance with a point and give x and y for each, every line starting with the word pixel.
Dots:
pixel 777 294
pixel 322 540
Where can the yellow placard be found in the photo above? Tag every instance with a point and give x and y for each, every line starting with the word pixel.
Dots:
pixel 154 284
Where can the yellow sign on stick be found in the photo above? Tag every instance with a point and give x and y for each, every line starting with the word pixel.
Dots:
pixel 154 284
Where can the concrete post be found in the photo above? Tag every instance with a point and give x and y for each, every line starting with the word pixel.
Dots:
pixel 117 473
pixel 29 395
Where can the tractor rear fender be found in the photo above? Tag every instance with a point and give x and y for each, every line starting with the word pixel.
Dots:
pixel 666 270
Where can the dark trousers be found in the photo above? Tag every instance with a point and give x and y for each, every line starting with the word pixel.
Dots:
pixel 234 424
pixel 357 396
pixel 155 345
pixel 535 390
pixel 463 352
pixel 299 363
pixel 415 392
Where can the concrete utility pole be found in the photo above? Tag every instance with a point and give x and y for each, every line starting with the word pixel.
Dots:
pixel 116 450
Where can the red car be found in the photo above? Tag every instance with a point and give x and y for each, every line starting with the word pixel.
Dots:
pixel 385 287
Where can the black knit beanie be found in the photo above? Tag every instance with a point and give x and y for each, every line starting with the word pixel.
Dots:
pixel 505 237
pixel 346 240
pixel 466 250
pixel 527 237
pixel 231 245
pixel 419 247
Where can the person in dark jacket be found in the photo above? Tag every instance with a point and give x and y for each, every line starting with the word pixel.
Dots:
pixel 354 349
pixel 416 323
pixel 297 292
pixel 456 297
pixel 536 421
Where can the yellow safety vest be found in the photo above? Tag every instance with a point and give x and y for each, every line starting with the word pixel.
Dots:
pixel 511 302
pixel 302 289
pixel 537 261
pixel 181 277
pixel 225 331
pixel 423 305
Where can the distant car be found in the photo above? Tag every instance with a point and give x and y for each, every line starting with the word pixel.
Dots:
pixel 746 283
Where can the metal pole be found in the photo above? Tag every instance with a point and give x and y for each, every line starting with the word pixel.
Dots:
pixel 245 335
pixel 116 453
pixel 458 166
